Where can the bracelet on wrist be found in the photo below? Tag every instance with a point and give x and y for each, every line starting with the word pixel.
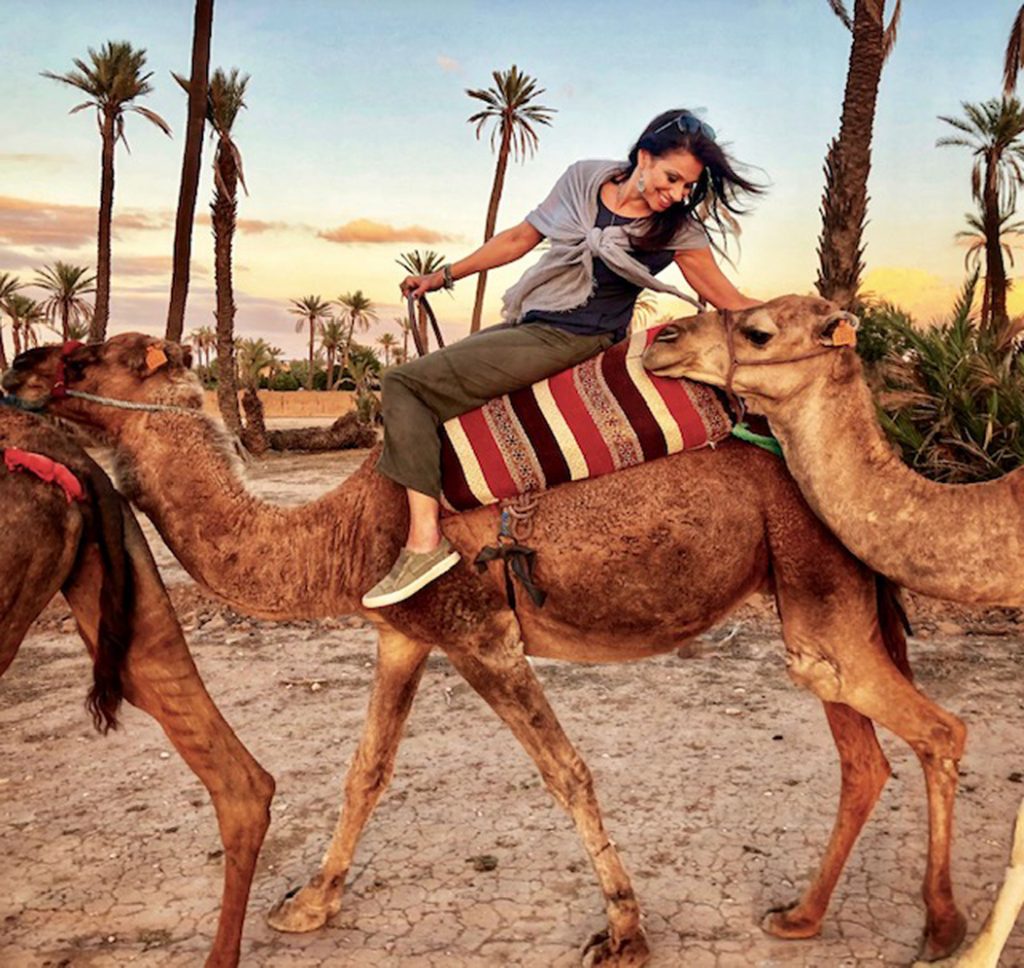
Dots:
pixel 446 270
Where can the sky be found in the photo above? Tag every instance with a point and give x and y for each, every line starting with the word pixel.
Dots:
pixel 356 144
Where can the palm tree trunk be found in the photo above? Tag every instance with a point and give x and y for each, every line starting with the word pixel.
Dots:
pixel 312 333
pixel 223 215
pixel 492 218
pixel 65 312
pixel 848 162
pixel 16 336
pixel 3 353
pixel 190 165
pixel 346 347
pixel 101 313
pixel 993 308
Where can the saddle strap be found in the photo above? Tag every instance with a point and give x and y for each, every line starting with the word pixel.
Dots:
pixel 518 561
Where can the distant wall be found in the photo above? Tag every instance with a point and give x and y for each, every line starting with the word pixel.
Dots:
pixel 295 403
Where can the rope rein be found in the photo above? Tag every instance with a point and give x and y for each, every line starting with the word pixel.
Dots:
pixel 130 404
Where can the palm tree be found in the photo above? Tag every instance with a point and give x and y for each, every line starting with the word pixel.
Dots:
pixel 992 131
pixel 113 80
pixel 225 97
pixel 388 342
pixel 26 314
pixel 310 310
pixel 418 263
pixel 332 338
pixel 508 104
pixel 66 284
pixel 256 359
pixel 191 160
pixel 357 312
pixel 203 339
pixel 974 236
pixel 9 285
pixel 848 161
pixel 404 325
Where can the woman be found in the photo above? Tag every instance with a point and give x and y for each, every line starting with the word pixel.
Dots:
pixel 612 226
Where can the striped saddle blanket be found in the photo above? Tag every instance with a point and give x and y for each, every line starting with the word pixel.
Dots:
pixel 605 414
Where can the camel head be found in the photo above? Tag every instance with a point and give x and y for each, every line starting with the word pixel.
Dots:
pixel 768 353
pixel 127 368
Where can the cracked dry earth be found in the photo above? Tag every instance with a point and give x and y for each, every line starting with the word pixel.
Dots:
pixel 717 776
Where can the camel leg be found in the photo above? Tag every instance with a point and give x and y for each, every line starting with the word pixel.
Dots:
pixel 161 679
pixel 863 677
pixel 987 947
pixel 400 665
pixel 502 676
pixel 865 771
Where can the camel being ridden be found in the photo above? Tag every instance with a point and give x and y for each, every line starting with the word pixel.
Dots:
pixel 94 553
pixel 794 361
pixel 634 564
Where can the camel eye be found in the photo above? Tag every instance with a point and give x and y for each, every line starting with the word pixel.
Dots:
pixel 757 336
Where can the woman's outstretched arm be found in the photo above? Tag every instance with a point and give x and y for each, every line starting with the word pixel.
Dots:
pixel 498 250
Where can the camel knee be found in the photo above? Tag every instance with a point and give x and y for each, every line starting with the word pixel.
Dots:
pixel 815 672
pixel 943 742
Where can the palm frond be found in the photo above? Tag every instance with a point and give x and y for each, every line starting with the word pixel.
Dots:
pixel 839 9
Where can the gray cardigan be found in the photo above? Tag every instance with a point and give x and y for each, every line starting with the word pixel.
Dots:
pixel 564 277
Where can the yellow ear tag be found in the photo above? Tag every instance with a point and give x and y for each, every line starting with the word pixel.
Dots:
pixel 155 358
pixel 845 334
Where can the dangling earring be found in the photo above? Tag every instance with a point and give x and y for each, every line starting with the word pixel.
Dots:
pixel 640 184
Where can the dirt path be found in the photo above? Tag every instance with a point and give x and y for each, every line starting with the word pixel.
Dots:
pixel 717 777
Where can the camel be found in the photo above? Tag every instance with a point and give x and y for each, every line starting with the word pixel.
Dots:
pixel 792 360
pixel 94 552
pixel 634 564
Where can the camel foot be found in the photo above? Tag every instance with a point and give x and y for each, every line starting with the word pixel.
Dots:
pixel 941 943
pixel 789 924
pixel 601 950
pixel 302 910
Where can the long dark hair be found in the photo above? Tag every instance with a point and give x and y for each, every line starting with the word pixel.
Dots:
pixel 716 195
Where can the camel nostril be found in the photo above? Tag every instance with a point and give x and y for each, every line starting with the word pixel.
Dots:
pixel 667 334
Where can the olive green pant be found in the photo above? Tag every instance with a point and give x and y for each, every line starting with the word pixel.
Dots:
pixel 419 396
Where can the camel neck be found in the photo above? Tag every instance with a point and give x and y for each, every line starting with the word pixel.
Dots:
pixel 963 542
pixel 269 560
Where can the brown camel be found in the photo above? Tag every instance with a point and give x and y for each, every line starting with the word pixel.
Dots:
pixel 793 361
pixel 721 523
pixel 94 553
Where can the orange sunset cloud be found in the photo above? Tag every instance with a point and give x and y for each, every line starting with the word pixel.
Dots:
pixel 27 222
pixel 367 231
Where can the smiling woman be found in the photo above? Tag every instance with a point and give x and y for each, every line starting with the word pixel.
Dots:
pixel 613 226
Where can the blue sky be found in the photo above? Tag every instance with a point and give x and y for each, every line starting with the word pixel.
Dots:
pixel 357 111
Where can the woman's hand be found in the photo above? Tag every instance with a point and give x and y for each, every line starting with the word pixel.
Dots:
pixel 417 286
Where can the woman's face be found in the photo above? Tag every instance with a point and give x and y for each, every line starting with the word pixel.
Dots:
pixel 668 178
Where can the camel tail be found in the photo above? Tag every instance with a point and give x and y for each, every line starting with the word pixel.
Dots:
pixel 116 600
pixel 894 624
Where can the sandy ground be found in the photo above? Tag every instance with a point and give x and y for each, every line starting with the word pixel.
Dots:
pixel 717 777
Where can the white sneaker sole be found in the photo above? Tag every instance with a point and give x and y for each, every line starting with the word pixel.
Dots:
pixel 401 594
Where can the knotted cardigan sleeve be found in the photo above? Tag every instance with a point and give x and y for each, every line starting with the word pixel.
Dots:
pixel 564 277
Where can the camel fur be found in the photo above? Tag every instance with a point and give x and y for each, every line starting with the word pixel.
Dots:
pixel 634 564
pixel 962 542
pixel 94 553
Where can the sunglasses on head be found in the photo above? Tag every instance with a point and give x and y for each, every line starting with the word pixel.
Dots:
pixel 689 124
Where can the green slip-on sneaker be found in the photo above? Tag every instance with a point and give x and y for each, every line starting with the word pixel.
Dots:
pixel 411 571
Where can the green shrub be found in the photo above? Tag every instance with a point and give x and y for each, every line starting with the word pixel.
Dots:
pixel 950 396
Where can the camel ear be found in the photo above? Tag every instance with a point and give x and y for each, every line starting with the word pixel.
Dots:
pixel 840 329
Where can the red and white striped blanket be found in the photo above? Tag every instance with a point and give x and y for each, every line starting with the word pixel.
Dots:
pixel 605 414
